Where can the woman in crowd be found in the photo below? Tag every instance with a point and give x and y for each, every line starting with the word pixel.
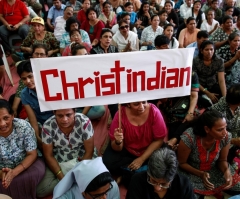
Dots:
pixel 76 5
pixel 93 26
pixel 104 46
pixel 72 24
pixel 172 15
pixel 220 36
pixel 144 17
pixel 125 40
pixel 75 37
pixel 124 16
pixel 229 52
pixel 108 17
pixel 81 16
pixel 154 7
pixel 39 51
pixel 168 31
pixel 78 50
pixel 210 24
pixel 196 13
pixel 39 35
pixel 203 158
pixel 20 170
pixel 210 70
pixel 189 34
pixel 229 106
pixel 99 6
pixel 141 132
pixel 149 34
pixel 67 138
pixel 13 16
pixel 161 179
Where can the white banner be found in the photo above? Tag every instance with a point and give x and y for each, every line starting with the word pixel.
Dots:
pixel 78 81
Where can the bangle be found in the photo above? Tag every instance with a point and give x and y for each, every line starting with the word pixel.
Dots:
pixel 60 171
pixel 24 168
pixel 118 143
pixel 190 113
pixel 205 89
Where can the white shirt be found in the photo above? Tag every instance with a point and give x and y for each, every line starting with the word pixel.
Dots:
pixel 207 27
pixel 184 9
pixel 189 14
pixel 59 29
pixel 173 44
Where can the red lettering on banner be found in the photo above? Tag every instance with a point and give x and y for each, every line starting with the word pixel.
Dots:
pixel 82 83
pixel 117 71
pixel 43 74
pixel 110 84
pixel 66 85
pixel 142 75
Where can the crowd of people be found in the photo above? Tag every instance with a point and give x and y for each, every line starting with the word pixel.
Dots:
pixel 182 147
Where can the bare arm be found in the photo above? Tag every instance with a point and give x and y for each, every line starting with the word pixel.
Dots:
pixel 33 121
pixel 219 44
pixel 89 148
pixel 86 109
pixel 50 24
pixel 51 161
pixel 222 84
pixel 193 103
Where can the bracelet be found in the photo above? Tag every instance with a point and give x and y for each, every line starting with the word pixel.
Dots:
pixel 118 143
pixel 205 89
pixel 190 113
pixel 24 168
pixel 60 171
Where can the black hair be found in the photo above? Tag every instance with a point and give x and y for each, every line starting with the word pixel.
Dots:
pixel 128 4
pixel 124 14
pixel 68 7
pixel 203 45
pixel 141 8
pixel 105 3
pixel 86 0
pixel 233 94
pixel 167 25
pixel 104 30
pixel 202 34
pixel 228 7
pixel 4 104
pixel 69 22
pixel 238 17
pixel 99 181
pixel 226 17
pixel 233 35
pixel 56 0
pixel 197 1
pixel 73 31
pixel 162 11
pixel 39 45
pixel 190 19
pixel 208 118
pixel 214 1
pixel 161 40
pixel 121 22
pixel 168 2
pixel 152 17
pixel 75 47
pixel 89 10
pixel 24 66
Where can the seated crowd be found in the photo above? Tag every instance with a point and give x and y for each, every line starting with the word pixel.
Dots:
pixel 182 147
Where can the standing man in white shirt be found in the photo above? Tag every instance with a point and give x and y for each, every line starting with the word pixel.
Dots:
pixel 60 22
pixel 185 7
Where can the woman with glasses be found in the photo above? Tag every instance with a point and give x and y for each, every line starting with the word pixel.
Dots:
pixel 161 179
pixel 202 156
pixel 125 40
pixel 75 38
pixel 90 179
pixel 104 45
pixel 40 35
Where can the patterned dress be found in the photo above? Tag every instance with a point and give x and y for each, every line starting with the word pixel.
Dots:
pixel 204 160
pixel 66 148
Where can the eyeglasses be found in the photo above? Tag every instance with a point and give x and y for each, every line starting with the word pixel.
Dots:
pixel 39 54
pixel 99 196
pixel 161 185
pixel 123 27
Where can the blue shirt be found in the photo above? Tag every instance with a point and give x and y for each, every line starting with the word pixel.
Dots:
pixel 196 52
pixel 29 97
pixel 53 13
pixel 133 17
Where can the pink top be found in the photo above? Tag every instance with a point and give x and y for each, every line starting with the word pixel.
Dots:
pixel 138 138
pixel 81 16
pixel 97 29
